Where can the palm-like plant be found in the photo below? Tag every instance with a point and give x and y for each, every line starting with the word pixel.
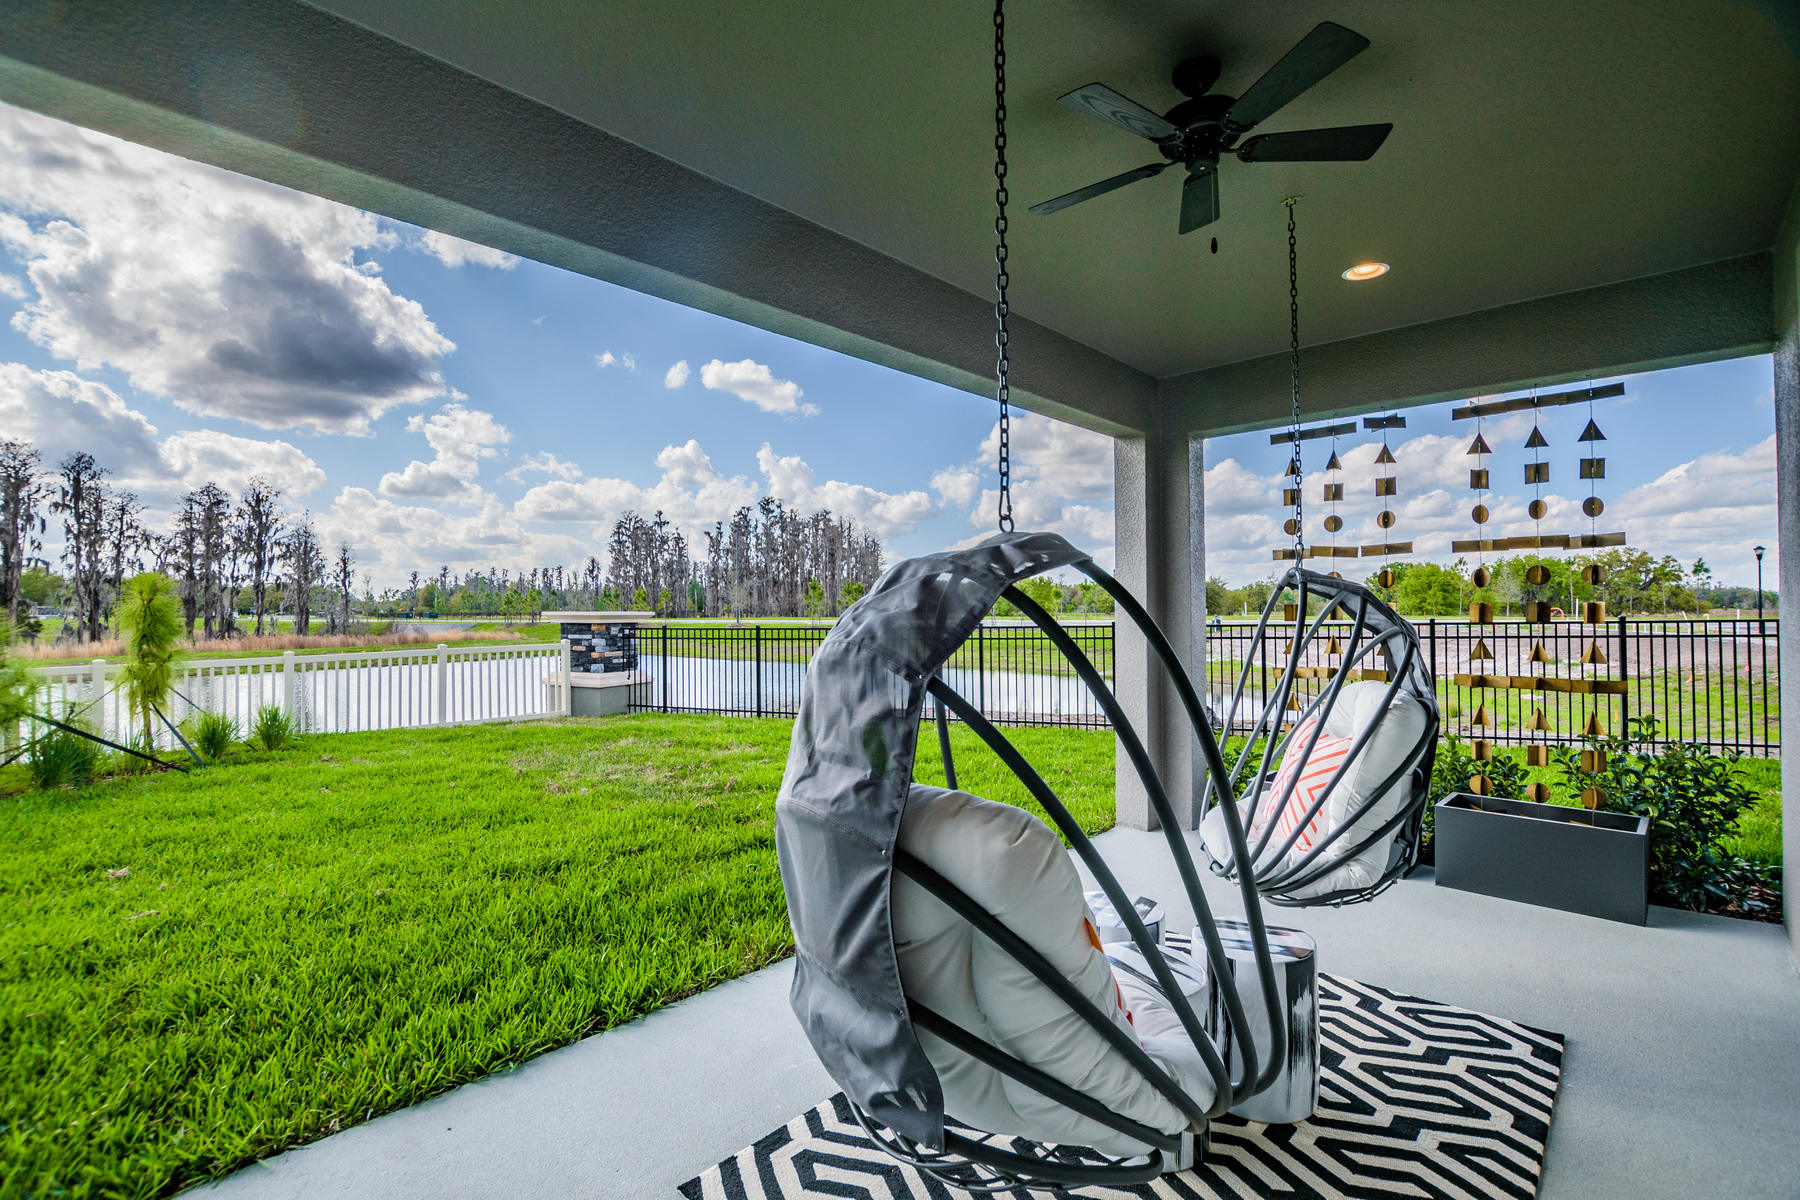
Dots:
pixel 150 622
pixel 16 686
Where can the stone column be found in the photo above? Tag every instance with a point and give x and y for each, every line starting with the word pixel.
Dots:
pixel 1160 547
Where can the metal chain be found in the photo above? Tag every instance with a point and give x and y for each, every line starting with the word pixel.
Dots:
pixel 1294 362
pixel 1001 309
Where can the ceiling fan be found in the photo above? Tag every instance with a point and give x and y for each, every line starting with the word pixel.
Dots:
pixel 1198 130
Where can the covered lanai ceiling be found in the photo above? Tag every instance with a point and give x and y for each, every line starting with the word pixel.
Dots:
pixel 1538 148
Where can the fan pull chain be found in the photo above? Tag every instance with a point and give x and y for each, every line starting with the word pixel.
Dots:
pixel 1001 309
pixel 1294 363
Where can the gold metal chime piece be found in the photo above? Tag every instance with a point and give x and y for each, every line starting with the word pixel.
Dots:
pixel 1387 489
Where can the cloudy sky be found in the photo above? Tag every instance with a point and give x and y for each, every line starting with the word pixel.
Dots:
pixel 434 402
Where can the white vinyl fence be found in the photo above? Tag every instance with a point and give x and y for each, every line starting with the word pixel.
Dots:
pixel 331 693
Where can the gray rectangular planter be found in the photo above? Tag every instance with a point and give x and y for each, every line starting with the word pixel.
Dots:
pixel 1547 854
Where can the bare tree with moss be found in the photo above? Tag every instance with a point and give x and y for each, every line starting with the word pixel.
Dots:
pixel 260 519
pixel 22 524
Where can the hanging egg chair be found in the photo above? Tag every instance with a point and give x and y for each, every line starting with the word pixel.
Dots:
pixel 947 970
pixel 1334 798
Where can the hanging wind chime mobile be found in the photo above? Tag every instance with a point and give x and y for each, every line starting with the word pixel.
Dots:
pixel 1387 490
pixel 1538 609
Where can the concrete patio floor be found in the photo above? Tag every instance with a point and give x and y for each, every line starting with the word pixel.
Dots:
pixel 1681 1078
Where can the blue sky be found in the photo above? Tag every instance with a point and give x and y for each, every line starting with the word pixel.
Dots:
pixel 430 401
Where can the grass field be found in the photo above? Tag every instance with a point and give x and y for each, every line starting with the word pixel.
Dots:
pixel 199 971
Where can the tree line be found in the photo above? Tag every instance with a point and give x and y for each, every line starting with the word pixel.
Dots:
pixel 1636 582
pixel 220 550
pixel 237 560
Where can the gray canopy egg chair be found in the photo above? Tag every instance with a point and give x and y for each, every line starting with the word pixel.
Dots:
pixel 839 835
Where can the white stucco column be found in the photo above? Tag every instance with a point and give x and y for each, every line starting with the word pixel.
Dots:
pixel 1159 536
pixel 1787 505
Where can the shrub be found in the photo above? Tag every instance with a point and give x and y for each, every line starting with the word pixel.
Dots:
pixel 1693 799
pixel 1450 773
pixel 273 729
pixel 63 759
pixel 212 733
pixel 150 622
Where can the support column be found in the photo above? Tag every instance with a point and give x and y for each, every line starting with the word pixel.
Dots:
pixel 1787 538
pixel 1159 544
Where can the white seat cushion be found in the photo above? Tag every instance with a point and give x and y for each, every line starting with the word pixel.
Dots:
pixel 1013 865
pixel 1397 732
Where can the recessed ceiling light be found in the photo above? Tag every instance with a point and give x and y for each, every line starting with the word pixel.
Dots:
pixel 1368 270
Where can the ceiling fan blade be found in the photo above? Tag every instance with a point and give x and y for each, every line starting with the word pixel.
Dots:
pixel 1346 143
pixel 1098 100
pixel 1199 201
pixel 1098 189
pixel 1328 47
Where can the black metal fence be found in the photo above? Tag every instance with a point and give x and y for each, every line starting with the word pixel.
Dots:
pixel 1712 682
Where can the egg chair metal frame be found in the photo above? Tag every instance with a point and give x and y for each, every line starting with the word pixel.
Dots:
pixel 1376 631
pixel 837 824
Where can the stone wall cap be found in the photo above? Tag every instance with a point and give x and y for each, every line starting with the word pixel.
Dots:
pixel 599 618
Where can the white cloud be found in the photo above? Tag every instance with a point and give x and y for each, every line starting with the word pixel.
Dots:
pixel 454 252
pixel 461 438
pixel 200 456
pixel 542 464
pixel 12 285
pixel 693 493
pixel 677 375
pixel 793 482
pixel 233 297
pixel 61 413
pixel 1062 482
pixel 608 359
pixel 392 539
pixel 752 381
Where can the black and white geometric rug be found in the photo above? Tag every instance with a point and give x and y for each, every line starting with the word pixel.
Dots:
pixel 1416 1099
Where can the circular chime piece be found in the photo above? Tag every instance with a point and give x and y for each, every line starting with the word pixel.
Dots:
pixel 1537 509
pixel 1593 506
pixel 1593 573
pixel 1482 577
pixel 1333 523
pixel 1385 518
pixel 1537 574
pixel 1479 514
pixel 1290 526
pixel 1336 575
pixel 1386 578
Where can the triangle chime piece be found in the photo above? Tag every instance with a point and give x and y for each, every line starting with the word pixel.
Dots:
pixel 1480 446
pixel 1536 439
pixel 1294 467
pixel 1332 647
pixel 1386 455
pixel 1481 716
pixel 1539 654
pixel 1334 464
pixel 1593 728
pixel 1481 650
pixel 1537 722
pixel 1594 655
pixel 1591 433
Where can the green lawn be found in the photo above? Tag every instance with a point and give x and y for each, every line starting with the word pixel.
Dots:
pixel 309 938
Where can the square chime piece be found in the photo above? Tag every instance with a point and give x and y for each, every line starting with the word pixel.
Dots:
pixel 1478 479
pixel 1481 613
pixel 1537 756
pixel 1537 612
pixel 1390 486
pixel 1481 750
pixel 1593 612
pixel 1537 473
pixel 1593 761
pixel 1290 496
pixel 1334 491
pixel 1593 468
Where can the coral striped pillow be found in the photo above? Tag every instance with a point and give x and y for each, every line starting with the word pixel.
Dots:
pixel 1324 762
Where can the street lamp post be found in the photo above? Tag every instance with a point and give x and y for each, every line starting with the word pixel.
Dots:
pixel 1758 551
